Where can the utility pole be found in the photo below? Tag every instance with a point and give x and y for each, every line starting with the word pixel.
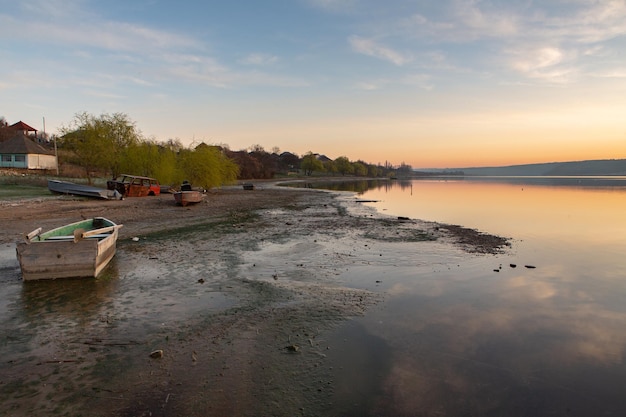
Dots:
pixel 56 154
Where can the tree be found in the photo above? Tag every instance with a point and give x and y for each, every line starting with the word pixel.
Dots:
pixel 359 169
pixel 343 165
pixel 268 162
pixel 249 167
pixel 207 166
pixel 99 143
pixel 330 167
pixel 310 163
pixel 405 170
pixel 374 171
pixel 288 162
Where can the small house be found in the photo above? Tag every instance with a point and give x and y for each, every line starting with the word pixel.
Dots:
pixel 21 152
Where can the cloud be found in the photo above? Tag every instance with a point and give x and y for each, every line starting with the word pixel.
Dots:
pixel 207 71
pixel 372 48
pixel 538 59
pixel 476 22
pixel 593 22
pixel 109 35
pixel 334 5
pixel 131 49
pixel 546 63
pixel 617 73
pixel 466 22
pixel 259 59
pixel 422 81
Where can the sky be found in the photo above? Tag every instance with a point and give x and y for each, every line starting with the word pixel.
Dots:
pixel 433 84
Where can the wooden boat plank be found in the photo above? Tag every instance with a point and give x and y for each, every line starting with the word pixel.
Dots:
pixel 98 236
pixel 32 234
pixel 101 230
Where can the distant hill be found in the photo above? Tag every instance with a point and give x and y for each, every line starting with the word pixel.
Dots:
pixel 576 168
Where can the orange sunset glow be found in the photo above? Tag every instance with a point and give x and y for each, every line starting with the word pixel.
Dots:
pixel 445 85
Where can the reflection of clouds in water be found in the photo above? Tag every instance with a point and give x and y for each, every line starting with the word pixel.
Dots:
pixel 433 289
pixel 530 289
pixel 509 336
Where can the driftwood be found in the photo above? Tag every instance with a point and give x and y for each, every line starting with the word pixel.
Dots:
pixel 101 342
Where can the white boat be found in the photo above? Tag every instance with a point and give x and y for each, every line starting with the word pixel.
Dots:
pixel 76 250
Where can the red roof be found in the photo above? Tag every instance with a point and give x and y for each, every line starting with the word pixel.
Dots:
pixel 22 126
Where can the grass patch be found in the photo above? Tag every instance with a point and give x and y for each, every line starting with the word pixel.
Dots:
pixel 17 191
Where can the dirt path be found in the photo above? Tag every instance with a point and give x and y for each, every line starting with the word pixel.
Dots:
pixel 239 337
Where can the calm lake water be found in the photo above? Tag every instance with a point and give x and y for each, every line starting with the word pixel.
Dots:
pixel 474 336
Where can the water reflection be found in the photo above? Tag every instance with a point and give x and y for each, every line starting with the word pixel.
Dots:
pixel 465 340
pixel 361 186
pixel 353 185
pixel 470 342
pixel 74 299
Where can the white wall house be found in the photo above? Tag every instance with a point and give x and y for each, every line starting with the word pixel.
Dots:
pixel 21 152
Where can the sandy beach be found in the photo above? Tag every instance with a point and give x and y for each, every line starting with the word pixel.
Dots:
pixel 237 295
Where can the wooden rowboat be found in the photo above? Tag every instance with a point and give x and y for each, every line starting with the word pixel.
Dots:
pixel 76 250
pixel 183 198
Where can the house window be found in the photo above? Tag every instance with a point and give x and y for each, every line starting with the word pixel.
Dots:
pixel 20 158
pixel 6 158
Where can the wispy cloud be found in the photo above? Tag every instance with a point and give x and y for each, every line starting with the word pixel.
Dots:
pixel 549 41
pixel 544 63
pixel 476 22
pixel 259 59
pixel 124 49
pixel 466 22
pixel 538 59
pixel 104 94
pixel 116 36
pixel 334 5
pixel 374 49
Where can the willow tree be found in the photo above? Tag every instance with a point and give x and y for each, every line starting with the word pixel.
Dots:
pixel 310 163
pixel 207 166
pixel 100 143
pixel 344 166
pixel 150 158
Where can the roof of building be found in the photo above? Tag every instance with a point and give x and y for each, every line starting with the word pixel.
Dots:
pixel 21 144
pixel 22 126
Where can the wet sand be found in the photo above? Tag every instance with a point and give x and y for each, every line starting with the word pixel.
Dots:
pixel 239 292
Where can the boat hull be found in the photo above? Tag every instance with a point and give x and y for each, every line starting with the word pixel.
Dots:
pixel 65 187
pixel 56 254
pixel 184 198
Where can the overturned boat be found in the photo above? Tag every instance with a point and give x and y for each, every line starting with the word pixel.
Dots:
pixel 66 187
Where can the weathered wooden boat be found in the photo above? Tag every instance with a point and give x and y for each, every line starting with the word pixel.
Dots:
pixel 66 187
pixel 76 250
pixel 183 198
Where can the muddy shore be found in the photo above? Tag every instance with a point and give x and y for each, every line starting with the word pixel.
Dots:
pixel 240 335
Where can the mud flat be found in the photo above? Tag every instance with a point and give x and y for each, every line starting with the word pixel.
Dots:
pixel 221 308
